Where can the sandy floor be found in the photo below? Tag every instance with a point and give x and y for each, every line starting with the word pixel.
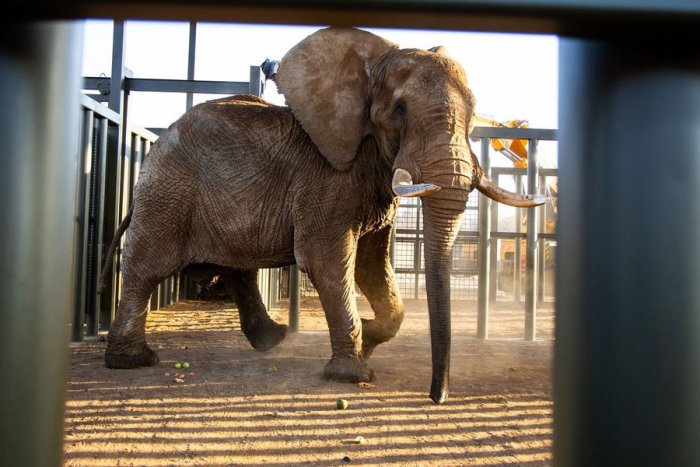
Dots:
pixel 241 407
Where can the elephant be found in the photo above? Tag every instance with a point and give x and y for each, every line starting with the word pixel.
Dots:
pixel 239 184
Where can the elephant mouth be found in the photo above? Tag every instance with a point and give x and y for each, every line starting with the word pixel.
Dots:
pixel 403 185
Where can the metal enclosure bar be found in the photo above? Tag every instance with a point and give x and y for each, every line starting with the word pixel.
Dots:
pixel 97 317
pixel 294 298
pixel 543 134
pixel 84 177
pixel 39 124
pixel 541 243
pixel 627 349
pixel 482 320
pixel 255 85
pixel 517 249
pixel 186 86
pixel 117 103
pixel 191 59
pixel 531 246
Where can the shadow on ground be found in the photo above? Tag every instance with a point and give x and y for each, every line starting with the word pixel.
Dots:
pixel 241 407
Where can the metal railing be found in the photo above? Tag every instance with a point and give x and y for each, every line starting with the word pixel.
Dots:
pixel 105 190
pixel 113 150
pixel 489 236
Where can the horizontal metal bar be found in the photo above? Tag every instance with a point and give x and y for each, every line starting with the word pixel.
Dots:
pixel 541 134
pixel 496 171
pixel 99 97
pixel 102 110
pixel 514 235
pixel 515 171
pixel 411 234
pixel 173 85
pixel 176 85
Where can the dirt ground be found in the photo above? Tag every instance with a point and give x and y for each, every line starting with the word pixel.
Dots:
pixel 236 406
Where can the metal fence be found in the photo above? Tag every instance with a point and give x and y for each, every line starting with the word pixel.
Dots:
pixel 112 151
pixel 108 177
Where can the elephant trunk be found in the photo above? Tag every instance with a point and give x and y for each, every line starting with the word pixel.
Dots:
pixel 447 181
pixel 441 226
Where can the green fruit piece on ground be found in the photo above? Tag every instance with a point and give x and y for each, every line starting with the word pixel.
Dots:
pixel 178 365
pixel 185 365
pixel 341 404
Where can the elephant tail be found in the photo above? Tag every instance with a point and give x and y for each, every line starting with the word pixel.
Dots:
pixel 109 259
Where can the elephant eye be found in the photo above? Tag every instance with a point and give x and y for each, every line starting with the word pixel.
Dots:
pixel 400 109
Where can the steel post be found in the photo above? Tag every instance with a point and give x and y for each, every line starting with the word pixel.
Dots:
pixel 518 246
pixel 482 321
pixel 542 243
pixel 101 307
pixel 294 298
pixel 627 349
pixel 39 127
pixel 191 59
pixel 531 246
pixel 117 103
pixel 255 85
pixel 494 252
pixel 84 177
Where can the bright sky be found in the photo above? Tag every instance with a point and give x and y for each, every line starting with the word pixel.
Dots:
pixel 512 76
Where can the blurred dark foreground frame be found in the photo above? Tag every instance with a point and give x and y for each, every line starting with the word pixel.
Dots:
pixel 627 351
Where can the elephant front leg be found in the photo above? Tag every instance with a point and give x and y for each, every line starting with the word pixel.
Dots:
pixel 375 276
pixel 126 340
pixel 262 332
pixel 331 270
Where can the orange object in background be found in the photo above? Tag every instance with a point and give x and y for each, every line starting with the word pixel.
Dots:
pixel 514 149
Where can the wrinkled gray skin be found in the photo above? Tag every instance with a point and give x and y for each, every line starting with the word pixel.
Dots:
pixel 237 184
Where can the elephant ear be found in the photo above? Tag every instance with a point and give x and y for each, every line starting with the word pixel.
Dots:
pixel 324 79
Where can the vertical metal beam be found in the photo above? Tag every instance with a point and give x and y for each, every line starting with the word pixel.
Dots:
pixel 155 298
pixel 542 243
pixel 137 161
pixel 116 136
pixel 627 349
pixel 417 254
pixel 518 247
pixel 482 321
pixel 100 310
pixel 191 58
pixel 294 298
pixel 495 251
pixel 84 177
pixel 255 86
pixel 116 84
pixel 531 246
pixel 39 127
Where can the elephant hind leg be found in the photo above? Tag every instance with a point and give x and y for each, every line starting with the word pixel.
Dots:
pixel 126 341
pixel 262 332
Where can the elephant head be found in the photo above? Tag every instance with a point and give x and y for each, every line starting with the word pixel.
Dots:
pixel 345 85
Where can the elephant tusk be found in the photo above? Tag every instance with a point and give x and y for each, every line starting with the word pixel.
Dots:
pixel 496 193
pixel 402 184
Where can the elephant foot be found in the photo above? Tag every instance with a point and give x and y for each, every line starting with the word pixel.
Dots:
pixel 374 334
pixel 348 370
pixel 141 356
pixel 267 337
